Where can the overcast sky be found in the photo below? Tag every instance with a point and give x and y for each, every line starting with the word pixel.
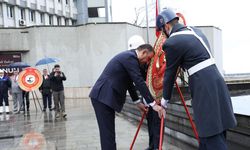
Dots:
pixel 229 15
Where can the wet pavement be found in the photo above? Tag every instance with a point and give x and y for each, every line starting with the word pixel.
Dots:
pixel 79 131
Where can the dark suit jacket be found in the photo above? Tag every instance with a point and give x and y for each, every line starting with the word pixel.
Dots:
pixel 5 85
pixel 118 77
pixel 46 85
pixel 211 102
pixel 57 81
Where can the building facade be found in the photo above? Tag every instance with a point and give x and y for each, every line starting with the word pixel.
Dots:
pixel 17 13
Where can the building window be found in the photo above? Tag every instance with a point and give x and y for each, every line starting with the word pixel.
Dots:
pixel 10 11
pixel 22 11
pixel 50 20
pixel 96 12
pixel 59 21
pixel 66 1
pixel 73 22
pixel 59 1
pixel 42 18
pixel 32 16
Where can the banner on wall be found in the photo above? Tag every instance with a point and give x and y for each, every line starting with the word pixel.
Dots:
pixel 8 58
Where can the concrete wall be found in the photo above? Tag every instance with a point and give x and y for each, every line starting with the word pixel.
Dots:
pixel 83 50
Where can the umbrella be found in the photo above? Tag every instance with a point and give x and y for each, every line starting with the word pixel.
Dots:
pixel 19 65
pixel 46 60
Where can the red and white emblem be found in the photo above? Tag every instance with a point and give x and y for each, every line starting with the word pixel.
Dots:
pixel 30 79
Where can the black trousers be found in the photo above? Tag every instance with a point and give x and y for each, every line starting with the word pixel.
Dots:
pixel 106 121
pixel 47 100
pixel 216 142
pixel 154 125
pixel 27 100
pixel 4 98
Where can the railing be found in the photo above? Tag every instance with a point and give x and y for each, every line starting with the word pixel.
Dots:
pixel 179 131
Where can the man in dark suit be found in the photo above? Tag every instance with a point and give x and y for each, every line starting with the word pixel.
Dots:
pixel 188 48
pixel 109 92
pixel 46 91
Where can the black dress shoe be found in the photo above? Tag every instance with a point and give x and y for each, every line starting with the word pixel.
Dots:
pixel 149 148
pixel 44 109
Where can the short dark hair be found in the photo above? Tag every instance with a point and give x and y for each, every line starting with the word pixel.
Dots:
pixel 57 66
pixel 145 46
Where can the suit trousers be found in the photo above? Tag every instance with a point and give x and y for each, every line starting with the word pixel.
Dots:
pixel 17 100
pixel 47 100
pixel 106 121
pixel 59 100
pixel 4 98
pixel 154 124
pixel 216 142
pixel 26 101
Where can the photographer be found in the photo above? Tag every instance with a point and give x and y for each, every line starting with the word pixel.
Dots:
pixel 57 77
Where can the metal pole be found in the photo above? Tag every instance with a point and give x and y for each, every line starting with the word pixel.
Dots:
pixel 38 100
pixel 161 133
pixel 137 131
pixel 146 3
pixel 187 112
pixel 159 6
pixel 34 99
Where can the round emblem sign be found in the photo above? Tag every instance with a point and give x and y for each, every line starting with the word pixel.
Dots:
pixel 30 79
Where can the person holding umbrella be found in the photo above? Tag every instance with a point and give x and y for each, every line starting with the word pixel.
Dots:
pixel 5 85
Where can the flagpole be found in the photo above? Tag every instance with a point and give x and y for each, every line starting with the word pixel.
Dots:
pixel 146 3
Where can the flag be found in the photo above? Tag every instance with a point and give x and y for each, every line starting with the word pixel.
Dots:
pixel 157 33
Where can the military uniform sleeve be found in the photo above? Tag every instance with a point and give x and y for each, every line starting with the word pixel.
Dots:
pixel 132 66
pixel 173 58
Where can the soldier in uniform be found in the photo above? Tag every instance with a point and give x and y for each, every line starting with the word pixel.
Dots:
pixel 187 47
pixel 5 85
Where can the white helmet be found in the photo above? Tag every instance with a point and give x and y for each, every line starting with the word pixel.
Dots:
pixel 135 41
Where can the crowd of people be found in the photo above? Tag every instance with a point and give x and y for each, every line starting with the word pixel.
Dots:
pixel 52 85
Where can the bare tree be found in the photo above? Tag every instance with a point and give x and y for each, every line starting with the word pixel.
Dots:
pixel 140 15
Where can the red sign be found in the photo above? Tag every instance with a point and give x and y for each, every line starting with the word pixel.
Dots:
pixel 8 58
pixel 30 79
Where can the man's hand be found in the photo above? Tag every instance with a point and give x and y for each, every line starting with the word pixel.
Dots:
pixel 141 107
pixel 164 103
pixel 161 111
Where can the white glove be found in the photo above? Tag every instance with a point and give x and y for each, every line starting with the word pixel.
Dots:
pixel 164 103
